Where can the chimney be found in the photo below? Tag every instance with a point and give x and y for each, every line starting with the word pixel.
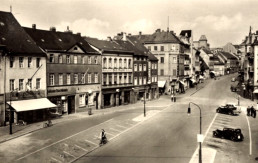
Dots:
pixel 79 34
pixel 158 30
pixel 140 33
pixel 53 29
pixel 109 38
pixel 33 26
pixel 124 36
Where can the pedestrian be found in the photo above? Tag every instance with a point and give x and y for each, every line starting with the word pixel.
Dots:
pixel 172 97
pixel 248 110
pixel 252 111
pixel 103 138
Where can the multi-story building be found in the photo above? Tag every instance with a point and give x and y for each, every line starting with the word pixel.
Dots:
pixel 73 70
pixel 231 61
pixel 145 67
pixel 23 74
pixel 169 50
pixel 117 72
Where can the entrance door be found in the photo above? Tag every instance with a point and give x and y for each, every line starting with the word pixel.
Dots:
pixel 71 104
pixel 97 101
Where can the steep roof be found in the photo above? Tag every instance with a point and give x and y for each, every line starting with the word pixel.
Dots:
pixel 110 46
pixel 204 65
pixel 203 38
pixel 14 37
pixel 160 37
pixel 227 55
pixel 58 41
pixel 207 51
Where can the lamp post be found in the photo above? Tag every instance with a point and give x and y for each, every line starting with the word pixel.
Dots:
pixel 200 141
pixel 144 102
pixel 10 112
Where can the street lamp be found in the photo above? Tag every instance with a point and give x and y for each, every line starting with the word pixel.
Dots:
pixel 144 109
pixel 200 141
pixel 10 112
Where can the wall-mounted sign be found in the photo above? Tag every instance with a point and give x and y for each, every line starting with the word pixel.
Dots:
pixel 57 90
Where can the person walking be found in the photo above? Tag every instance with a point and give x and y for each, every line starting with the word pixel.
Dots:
pixel 248 110
pixel 252 111
pixel 103 138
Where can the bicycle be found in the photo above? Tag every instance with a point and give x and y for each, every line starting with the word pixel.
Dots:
pixel 47 124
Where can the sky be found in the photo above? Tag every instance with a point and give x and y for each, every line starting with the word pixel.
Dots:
pixel 222 21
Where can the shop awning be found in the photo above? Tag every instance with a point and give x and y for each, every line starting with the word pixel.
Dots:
pixel 161 84
pixel 181 82
pixel 255 91
pixel 33 104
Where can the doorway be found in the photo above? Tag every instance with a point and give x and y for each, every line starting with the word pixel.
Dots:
pixel 71 104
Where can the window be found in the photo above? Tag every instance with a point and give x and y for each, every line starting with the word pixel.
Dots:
pixel 144 80
pixel 110 79
pixel 60 79
pixel 125 63
pixel 75 59
pixel 161 59
pixel 96 60
pixel 129 78
pixel 140 67
pixel 129 63
pixel 161 48
pixel 125 78
pixel 144 67
pixel 11 84
pixel 83 60
pixel 140 80
pixel 120 63
pixel 155 66
pixel 104 79
pixel 68 59
pixel 110 62
pixel 104 62
pixel 20 84
pixel 89 77
pixel 60 59
pixel 38 83
pixel 115 63
pixel 21 62
pixel 135 67
pixel 162 72
pixel 89 60
pixel 82 79
pixel 115 78
pixel 51 58
pixel 52 79
pixel 82 100
pixel 68 79
pixel 120 78
pixel 29 62
pixel 174 59
pixel 75 78
pixel 38 62
pixel 155 48
pixel 11 62
pixel 96 78
pixel 29 84
pixel 174 72
pixel 135 80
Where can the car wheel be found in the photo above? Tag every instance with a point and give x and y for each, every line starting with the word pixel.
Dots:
pixel 229 113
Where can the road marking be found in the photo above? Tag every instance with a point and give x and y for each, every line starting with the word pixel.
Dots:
pixel 80 147
pixel 61 140
pixel 250 136
pixel 91 142
pixel 110 134
pixel 197 149
pixel 121 126
pixel 69 154
pixel 56 160
pixel 115 129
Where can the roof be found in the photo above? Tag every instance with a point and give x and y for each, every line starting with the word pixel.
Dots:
pixel 160 37
pixel 108 46
pixel 58 41
pixel 227 55
pixel 13 36
pixel 207 51
pixel 204 65
pixel 187 33
pixel 203 38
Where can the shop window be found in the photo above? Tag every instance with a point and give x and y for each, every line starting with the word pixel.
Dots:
pixel 82 100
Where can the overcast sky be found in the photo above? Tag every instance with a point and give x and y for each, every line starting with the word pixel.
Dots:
pixel 222 21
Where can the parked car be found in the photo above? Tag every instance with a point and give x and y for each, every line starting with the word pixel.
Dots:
pixel 229 108
pixel 229 133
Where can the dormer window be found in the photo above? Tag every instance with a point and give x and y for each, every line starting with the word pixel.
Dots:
pixel 75 48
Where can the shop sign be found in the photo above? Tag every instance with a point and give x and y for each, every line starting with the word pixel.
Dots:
pixel 57 90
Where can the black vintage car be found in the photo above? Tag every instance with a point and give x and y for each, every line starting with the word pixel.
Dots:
pixel 229 133
pixel 230 109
